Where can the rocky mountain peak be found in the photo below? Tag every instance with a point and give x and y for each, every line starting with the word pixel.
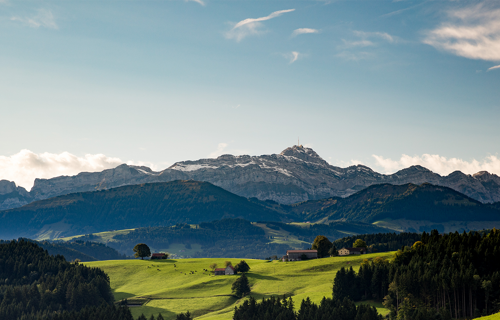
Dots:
pixel 303 153
pixel 7 186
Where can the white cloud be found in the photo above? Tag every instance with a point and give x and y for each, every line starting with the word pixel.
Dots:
pixel 220 150
pixel 439 164
pixel 294 56
pixel 358 43
pixel 473 32
pixel 296 32
pixel 25 166
pixel 43 18
pixel 493 68
pixel 382 35
pixel 197 1
pixel 251 26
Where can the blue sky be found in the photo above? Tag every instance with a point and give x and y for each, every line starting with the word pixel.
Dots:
pixel 88 84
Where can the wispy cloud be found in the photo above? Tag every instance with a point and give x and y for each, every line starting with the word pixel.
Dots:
pixel 219 151
pixel 296 32
pixel 396 12
pixel 472 32
pixel 43 18
pixel 251 26
pixel 197 1
pixel 439 164
pixel 493 68
pixel 24 166
pixel 350 48
pixel 294 57
pixel 357 43
pixel 381 35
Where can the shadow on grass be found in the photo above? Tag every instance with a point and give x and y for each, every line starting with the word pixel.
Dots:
pixel 148 311
pixel 122 295
pixel 262 277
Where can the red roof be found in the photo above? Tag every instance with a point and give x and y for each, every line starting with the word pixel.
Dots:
pixel 231 267
pixel 220 269
pixel 158 254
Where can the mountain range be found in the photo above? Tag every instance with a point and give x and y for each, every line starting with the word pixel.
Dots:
pixel 400 207
pixel 296 174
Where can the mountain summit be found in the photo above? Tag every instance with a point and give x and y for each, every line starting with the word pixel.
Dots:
pixel 303 153
pixel 296 174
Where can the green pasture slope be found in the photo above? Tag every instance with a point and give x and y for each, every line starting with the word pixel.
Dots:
pixel 495 316
pixel 168 286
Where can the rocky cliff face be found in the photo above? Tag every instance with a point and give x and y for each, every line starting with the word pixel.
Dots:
pixel 12 196
pixel 296 174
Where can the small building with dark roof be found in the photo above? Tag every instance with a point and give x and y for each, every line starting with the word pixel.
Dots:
pixel 297 255
pixel 158 256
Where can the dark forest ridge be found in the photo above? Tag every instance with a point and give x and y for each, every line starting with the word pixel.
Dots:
pixel 145 205
pixel 425 202
pixel 294 175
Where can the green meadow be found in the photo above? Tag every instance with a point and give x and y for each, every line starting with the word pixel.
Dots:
pixel 495 316
pixel 173 286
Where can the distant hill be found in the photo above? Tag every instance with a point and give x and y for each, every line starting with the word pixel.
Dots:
pixel 232 238
pixel 296 174
pixel 411 202
pixel 145 205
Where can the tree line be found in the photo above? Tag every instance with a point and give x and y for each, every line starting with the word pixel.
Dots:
pixel 448 275
pixel 381 242
pixel 275 308
pixel 37 286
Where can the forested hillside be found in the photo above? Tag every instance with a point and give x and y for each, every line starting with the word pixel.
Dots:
pixel 82 250
pixel 454 275
pixel 38 286
pixel 145 205
pixel 413 202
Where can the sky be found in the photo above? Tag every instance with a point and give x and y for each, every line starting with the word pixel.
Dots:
pixel 87 85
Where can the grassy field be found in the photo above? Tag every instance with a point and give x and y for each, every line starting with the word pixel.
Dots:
pixel 173 286
pixel 495 316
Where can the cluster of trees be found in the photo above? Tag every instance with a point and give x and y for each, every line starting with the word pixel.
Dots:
pixel 180 316
pixel 380 242
pixel 242 266
pixel 327 249
pixel 451 275
pixel 283 309
pixel 241 286
pixel 36 285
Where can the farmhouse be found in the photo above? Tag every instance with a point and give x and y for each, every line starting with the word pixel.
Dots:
pixel 349 251
pixel 297 255
pixel 158 256
pixel 224 271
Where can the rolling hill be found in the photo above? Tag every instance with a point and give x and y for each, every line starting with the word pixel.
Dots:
pixel 145 205
pixel 170 287
pixel 228 237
